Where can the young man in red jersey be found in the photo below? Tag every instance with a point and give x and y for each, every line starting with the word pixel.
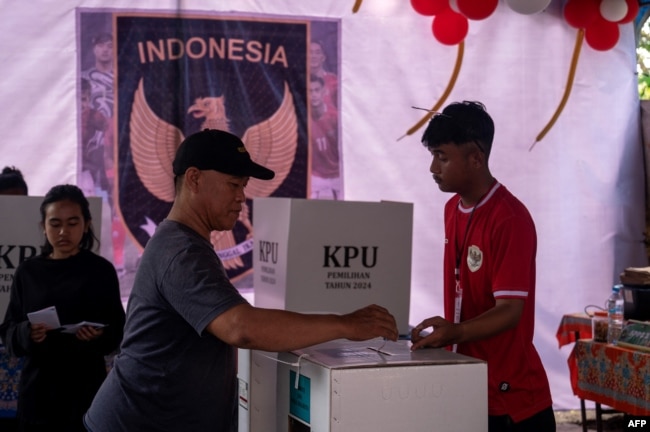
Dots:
pixel 489 272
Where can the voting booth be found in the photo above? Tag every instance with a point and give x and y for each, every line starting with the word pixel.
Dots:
pixel 21 238
pixel 373 386
pixel 322 256
pixel 333 256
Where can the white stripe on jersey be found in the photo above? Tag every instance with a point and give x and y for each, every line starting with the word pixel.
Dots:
pixel 510 293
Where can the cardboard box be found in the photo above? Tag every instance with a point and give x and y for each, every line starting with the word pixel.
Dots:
pixel 344 386
pixel 333 256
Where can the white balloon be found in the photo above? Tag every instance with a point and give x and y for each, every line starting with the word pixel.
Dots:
pixel 528 7
pixel 453 4
pixel 613 10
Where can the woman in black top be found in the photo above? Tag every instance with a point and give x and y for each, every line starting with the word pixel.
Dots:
pixel 62 371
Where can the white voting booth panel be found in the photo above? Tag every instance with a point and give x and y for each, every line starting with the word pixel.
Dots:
pixel 322 256
pixel 346 386
pixel 333 256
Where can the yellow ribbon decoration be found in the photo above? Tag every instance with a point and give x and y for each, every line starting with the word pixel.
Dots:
pixel 567 90
pixel 357 5
pixel 445 94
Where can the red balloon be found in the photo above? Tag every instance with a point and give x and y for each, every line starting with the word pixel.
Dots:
pixel 601 34
pixel 449 27
pixel 429 7
pixel 477 9
pixel 632 11
pixel 580 13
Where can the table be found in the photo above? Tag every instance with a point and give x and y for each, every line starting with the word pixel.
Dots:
pixel 597 371
pixel 573 327
pixel 611 375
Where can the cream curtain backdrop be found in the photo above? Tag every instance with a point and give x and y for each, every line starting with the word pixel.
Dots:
pixel 583 183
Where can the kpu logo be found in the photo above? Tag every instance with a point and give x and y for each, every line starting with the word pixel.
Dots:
pixel 268 251
pixel 342 256
pixel 12 255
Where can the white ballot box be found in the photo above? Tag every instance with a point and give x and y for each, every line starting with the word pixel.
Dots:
pixel 257 376
pixel 333 256
pixel 344 386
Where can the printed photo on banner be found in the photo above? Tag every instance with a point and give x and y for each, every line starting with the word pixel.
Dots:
pixel 147 80
pixel 326 180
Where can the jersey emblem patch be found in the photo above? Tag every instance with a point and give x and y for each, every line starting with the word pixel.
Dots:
pixel 474 258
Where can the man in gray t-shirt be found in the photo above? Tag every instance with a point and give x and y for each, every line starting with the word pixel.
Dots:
pixel 177 366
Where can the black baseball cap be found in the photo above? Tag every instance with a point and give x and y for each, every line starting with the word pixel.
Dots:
pixel 213 149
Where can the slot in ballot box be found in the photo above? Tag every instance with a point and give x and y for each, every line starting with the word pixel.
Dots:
pixel 333 256
pixel 343 386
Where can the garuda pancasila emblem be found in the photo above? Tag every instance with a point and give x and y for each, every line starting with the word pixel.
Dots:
pixel 271 142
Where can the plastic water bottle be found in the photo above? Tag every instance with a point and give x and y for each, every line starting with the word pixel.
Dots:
pixel 614 314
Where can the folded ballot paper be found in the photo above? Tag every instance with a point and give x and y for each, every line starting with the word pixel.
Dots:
pixel 72 328
pixel 50 317
pixel 47 316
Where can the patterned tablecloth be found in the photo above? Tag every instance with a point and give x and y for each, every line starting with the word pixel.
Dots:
pixel 610 375
pixel 10 368
pixel 572 327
